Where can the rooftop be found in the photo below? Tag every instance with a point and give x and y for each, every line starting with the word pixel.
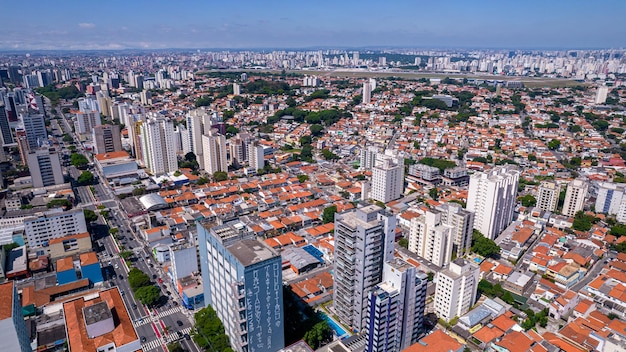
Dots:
pixel 250 252
pixel 6 300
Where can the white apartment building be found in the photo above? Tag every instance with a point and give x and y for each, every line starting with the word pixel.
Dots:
pixel 462 223
pixel 430 238
pixel 396 308
pixel 456 289
pixel 548 195
pixel 214 149
pixel 575 197
pixel 367 92
pixel 55 223
pixel 610 197
pixel 363 242
pixel 158 145
pixel 86 121
pixel 198 123
pixel 256 157
pixel 368 157
pixel 492 198
pixel 45 169
pixel 601 94
pixel 387 178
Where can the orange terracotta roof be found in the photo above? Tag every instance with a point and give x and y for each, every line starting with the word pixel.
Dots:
pixel 503 323
pixel 6 300
pixel 515 341
pixel 487 334
pixel 112 155
pixel 438 341
pixel 88 258
pixel 65 264
pixel 68 237
pixel 123 333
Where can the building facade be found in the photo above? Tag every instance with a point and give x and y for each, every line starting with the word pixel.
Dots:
pixel 395 314
pixel 35 128
pixel 363 242
pixel 45 169
pixel 430 238
pixel 548 195
pixel 12 326
pixel 107 139
pixel 387 179
pixel 242 280
pixel 158 145
pixel 456 289
pixel 214 149
pixel 575 197
pixel 492 198
pixel 55 223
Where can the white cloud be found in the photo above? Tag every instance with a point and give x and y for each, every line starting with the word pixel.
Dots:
pixel 86 25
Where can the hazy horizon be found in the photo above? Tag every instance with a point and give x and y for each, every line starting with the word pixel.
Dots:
pixel 455 24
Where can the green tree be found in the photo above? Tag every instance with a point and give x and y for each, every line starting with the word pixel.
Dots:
pixel 434 193
pixel 125 254
pixel 138 279
pixel 303 178
pixel 319 335
pixel 316 129
pixel 209 331
pixel 403 242
pixel 78 160
pixel 204 101
pixel 328 215
pixel 59 203
pixel 139 191
pixel 90 215
pixel 175 347
pixel 483 245
pixel 532 157
pixel 582 221
pixel 554 144
pixel 85 178
pixel 528 200
pixel 328 155
pixel 618 230
pixel 148 295
pixel 219 176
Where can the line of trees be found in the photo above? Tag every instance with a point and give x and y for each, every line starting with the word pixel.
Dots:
pixel 209 331
pixel 145 291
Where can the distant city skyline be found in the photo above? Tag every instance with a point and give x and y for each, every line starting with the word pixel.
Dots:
pixel 69 25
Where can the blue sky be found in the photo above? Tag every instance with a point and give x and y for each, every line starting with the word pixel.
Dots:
pixel 114 24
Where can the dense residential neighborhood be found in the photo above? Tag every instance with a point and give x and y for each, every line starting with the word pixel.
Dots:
pixel 322 200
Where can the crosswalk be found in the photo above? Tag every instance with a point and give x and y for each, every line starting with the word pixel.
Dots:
pixel 171 337
pixel 146 319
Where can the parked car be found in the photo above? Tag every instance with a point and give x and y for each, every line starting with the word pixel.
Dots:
pixel 179 323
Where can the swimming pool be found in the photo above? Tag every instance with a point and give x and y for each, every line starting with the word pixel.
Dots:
pixel 477 260
pixel 339 331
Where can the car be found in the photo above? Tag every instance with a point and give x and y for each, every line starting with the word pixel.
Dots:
pixel 122 293
pixel 143 339
pixel 187 337
pixel 175 303
pixel 180 334
pixel 168 293
pixel 134 306
pixel 160 280
pixel 120 277
pixel 179 323
pixel 154 276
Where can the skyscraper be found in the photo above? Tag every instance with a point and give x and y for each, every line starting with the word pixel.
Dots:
pixel 601 94
pixel 367 92
pixel 44 165
pixel 368 156
pixel 5 128
pixel 548 195
pixel 462 223
pixel 575 197
pixel 395 313
pixel 106 139
pixel 456 289
pixel 198 123
pixel 214 149
pixel 492 199
pixel 12 325
pixel 86 121
pixel 35 128
pixel 610 197
pixel 430 238
pixel 242 280
pixel 363 242
pixel 256 157
pixel 387 178
pixel 158 146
